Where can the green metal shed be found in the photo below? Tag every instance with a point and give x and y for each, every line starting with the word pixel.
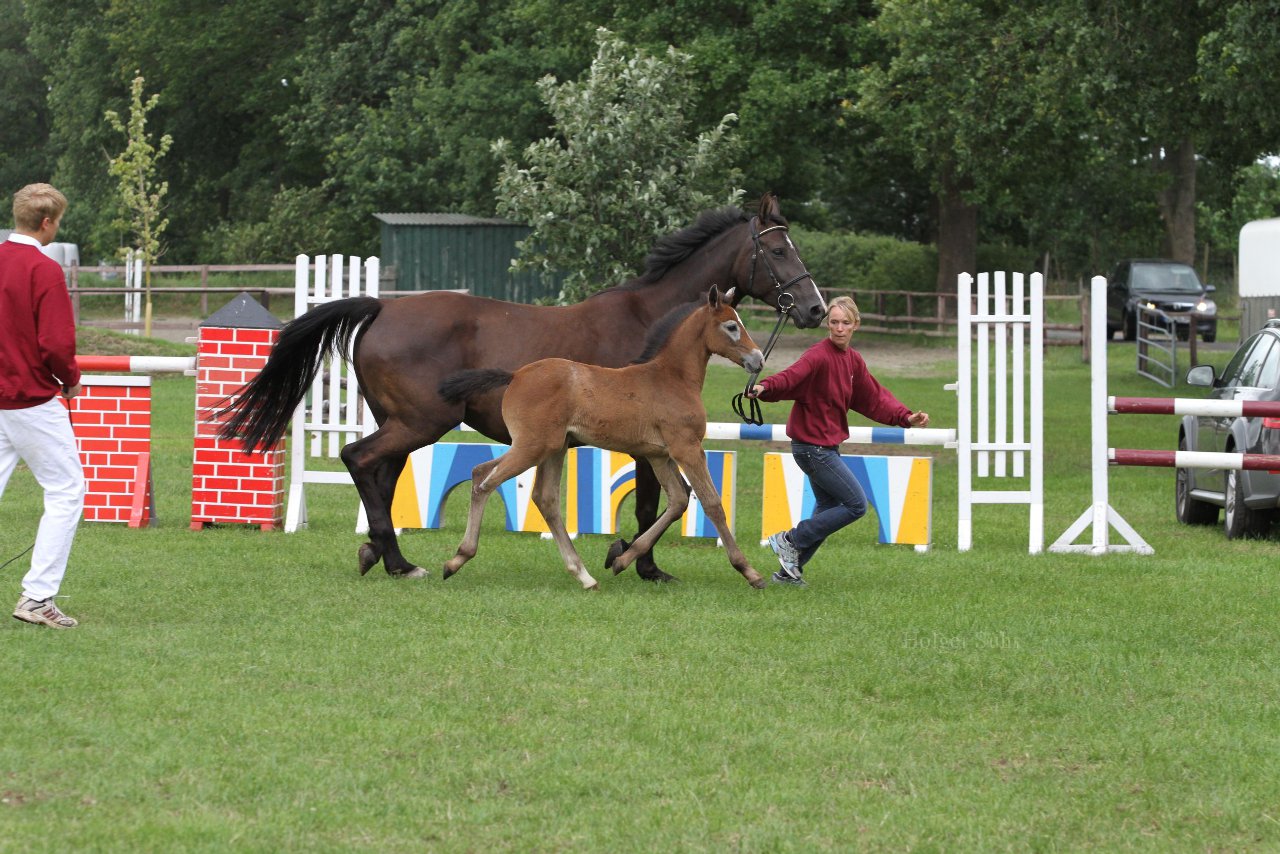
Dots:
pixel 446 251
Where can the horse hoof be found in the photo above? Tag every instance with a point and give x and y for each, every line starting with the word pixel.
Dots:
pixel 615 551
pixel 416 572
pixel 368 558
pixel 758 583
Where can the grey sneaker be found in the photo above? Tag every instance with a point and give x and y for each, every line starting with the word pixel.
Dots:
pixel 781 577
pixel 787 554
pixel 42 614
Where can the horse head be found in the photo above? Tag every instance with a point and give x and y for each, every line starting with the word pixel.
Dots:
pixel 725 335
pixel 773 272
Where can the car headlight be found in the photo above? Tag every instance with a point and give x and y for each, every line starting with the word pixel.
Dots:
pixel 1207 306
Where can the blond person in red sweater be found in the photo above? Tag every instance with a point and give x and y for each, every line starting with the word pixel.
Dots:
pixel 830 379
pixel 38 363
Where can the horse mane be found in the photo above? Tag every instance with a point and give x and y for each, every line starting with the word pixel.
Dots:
pixel 673 248
pixel 658 334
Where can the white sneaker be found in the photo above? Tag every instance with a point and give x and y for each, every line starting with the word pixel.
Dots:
pixel 788 557
pixel 42 614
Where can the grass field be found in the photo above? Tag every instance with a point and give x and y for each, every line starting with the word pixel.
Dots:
pixel 235 690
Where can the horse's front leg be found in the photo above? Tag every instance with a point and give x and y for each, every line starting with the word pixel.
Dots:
pixel 694 463
pixel 648 495
pixel 621 554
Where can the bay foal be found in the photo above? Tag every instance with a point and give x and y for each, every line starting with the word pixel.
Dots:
pixel 651 409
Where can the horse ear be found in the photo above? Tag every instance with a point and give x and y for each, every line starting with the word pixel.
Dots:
pixel 713 297
pixel 769 207
pixel 731 297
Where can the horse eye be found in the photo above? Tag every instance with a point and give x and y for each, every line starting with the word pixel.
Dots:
pixel 779 252
pixel 731 328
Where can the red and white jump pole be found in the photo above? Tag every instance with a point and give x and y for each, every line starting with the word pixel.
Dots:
pixel 139 364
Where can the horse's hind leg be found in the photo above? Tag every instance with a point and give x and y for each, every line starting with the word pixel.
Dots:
pixel 375 462
pixel 677 500
pixel 648 496
pixel 481 489
pixel 546 496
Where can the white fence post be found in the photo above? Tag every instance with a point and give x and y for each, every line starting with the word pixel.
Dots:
pixel 133 296
pixel 1099 515
pixel 333 406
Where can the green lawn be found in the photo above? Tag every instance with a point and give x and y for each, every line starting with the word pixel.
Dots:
pixel 232 689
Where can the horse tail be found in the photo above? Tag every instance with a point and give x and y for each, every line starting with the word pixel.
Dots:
pixel 464 385
pixel 260 412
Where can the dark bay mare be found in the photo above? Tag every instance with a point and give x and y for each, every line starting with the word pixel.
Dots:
pixel 403 348
pixel 651 409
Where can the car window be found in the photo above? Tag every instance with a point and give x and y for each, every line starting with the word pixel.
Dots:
pixel 1251 368
pixel 1231 373
pixel 1171 278
pixel 1269 373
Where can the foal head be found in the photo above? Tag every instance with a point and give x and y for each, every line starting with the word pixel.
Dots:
pixel 724 333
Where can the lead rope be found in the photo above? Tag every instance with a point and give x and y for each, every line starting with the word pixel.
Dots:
pixel 744 406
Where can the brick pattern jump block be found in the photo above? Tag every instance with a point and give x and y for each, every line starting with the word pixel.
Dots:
pixel 229 486
pixel 111 419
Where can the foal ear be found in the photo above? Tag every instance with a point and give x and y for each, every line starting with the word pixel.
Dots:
pixel 731 296
pixel 713 297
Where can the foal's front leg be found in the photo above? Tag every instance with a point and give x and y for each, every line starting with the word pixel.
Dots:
pixel 546 496
pixel 695 466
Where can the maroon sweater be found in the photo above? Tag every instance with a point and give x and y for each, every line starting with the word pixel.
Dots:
pixel 37 328
pixel 825 383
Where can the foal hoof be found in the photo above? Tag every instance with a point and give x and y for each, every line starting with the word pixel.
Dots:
pixel 416 572
pixel 368 558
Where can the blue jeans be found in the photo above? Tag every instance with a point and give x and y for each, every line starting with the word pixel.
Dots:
pixel 839 497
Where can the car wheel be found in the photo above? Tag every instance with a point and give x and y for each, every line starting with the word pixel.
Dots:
pixel 1209 336
pixel 1189 510
pixel 1238 520
pixel 1130 326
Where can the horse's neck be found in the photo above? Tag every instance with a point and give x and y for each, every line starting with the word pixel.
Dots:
pixel 692 278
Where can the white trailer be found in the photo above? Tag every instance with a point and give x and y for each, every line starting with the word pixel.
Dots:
pixel 1259 282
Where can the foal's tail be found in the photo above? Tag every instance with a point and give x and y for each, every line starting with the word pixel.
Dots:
pixel 464 385
pixel 260 412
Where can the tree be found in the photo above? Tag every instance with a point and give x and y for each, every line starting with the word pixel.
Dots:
pixel 141 196
pixel 964 89
pixel 24 111
pixel 622 170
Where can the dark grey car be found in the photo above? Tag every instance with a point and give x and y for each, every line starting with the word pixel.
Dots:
pixel 1164 285
pixel 1250 499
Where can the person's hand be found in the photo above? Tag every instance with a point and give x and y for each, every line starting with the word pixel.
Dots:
pixel 70 391
pixel 918 419
pixel 755 391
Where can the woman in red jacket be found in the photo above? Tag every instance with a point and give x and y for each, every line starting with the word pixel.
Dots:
pixel 830 379
pixel 37 363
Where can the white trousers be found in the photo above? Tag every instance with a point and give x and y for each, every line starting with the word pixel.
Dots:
pixel 41 437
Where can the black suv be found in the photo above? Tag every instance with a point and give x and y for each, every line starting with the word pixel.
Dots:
pixel 1164 285
pixel 1249 499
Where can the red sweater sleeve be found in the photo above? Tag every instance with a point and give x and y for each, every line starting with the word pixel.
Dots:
pixel 55 324
pixel 869 398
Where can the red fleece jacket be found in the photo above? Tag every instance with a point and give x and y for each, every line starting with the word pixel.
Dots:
pixel 37 328
pixel 825 383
